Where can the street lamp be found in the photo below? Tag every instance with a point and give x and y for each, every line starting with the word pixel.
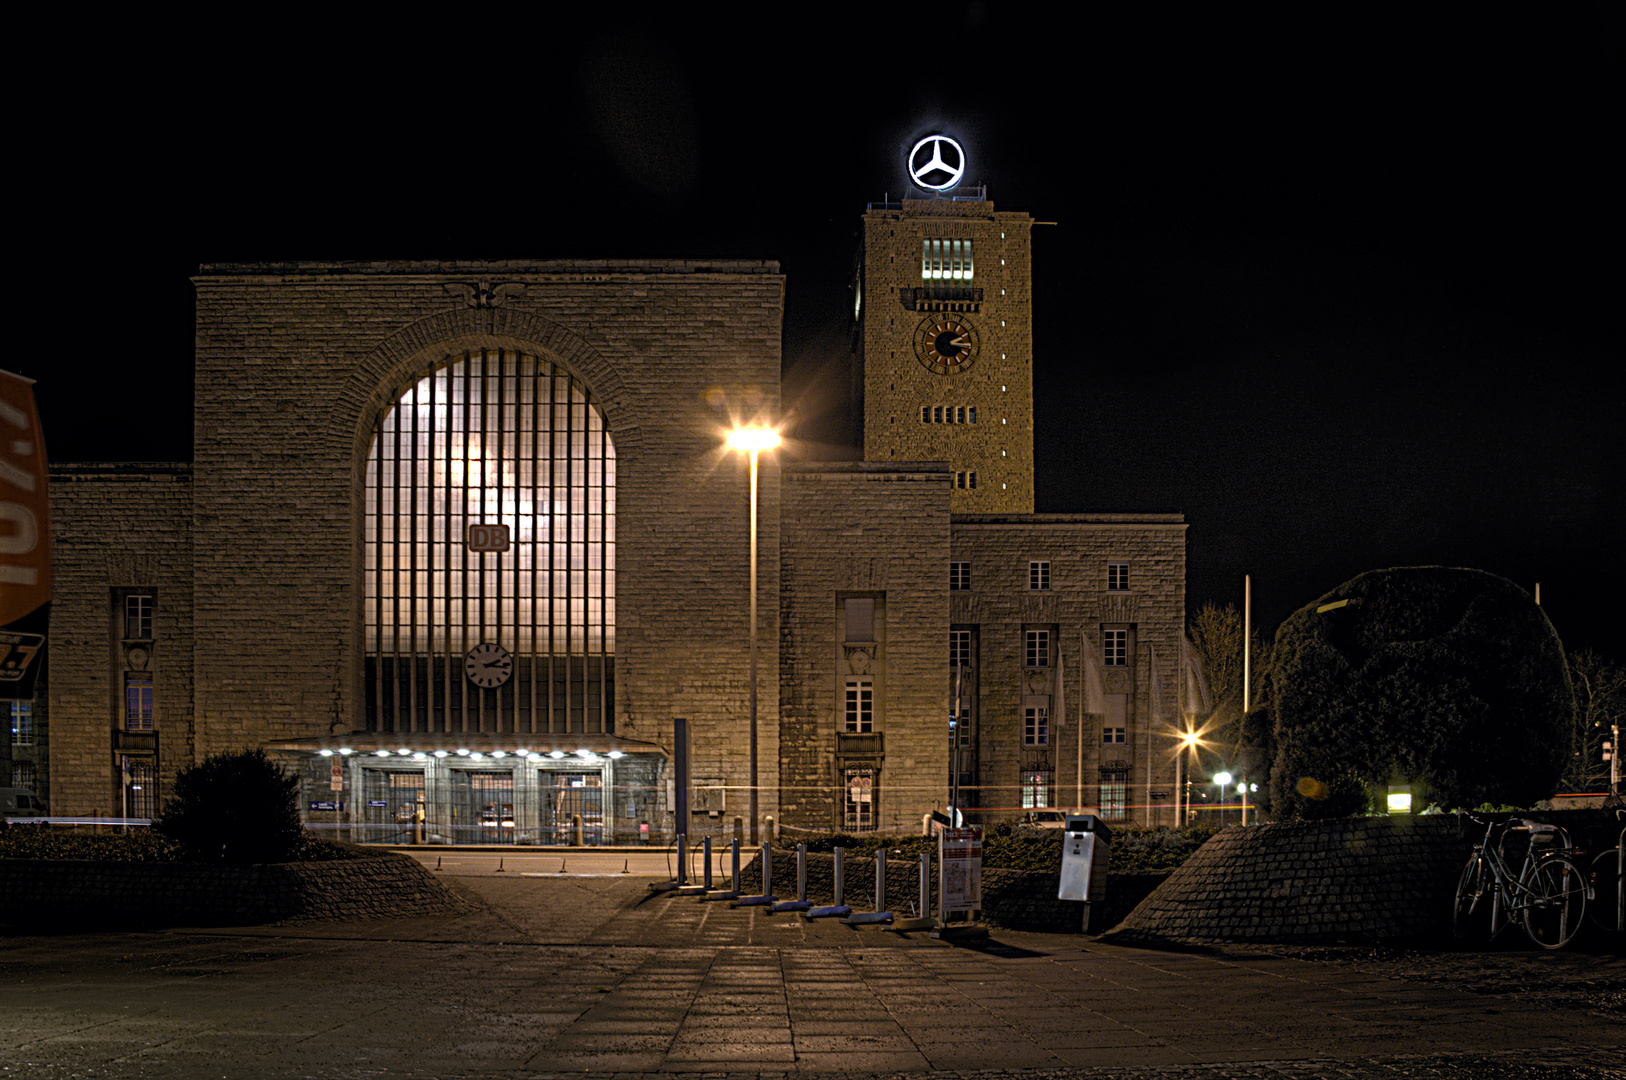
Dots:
pixel 1222 779
pixel 753 441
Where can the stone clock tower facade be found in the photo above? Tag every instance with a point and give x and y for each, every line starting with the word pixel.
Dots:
pixel 944 312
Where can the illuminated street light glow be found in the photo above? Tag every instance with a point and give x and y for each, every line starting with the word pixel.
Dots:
pixel 755 439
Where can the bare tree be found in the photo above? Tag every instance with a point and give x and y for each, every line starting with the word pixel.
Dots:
pixel 1600 702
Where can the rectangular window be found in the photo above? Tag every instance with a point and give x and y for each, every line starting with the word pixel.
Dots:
pixel 1036 726
pixel 959 576
pixel 859 706
pixel 1038 576
pixel 925 414
pixel 137 701
pixel 1038 651
pixel 1117 577
pixel 937 414
pixel 1036 788
pixel 22 724
pixel 965 480
pixel 138 618
pixel 1115 648
pixel 972 414
pixel 859 799
pixel 959 414
pixel 1112 735
pixel 860 619
pixel 959 648
pixel 22 774
pixel 1114 794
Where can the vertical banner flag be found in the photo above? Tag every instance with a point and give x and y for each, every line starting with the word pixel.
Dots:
pixel 1195 684
pixel 25 540
pixel 1094 700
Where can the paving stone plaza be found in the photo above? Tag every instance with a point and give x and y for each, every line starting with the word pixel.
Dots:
pixel 551 974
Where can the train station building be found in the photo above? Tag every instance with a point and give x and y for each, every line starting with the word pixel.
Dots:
pixel 459 540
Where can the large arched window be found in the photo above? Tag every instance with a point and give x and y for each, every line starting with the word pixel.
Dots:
pixel 460 636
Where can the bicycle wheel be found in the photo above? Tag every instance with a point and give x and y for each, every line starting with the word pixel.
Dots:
pixel 1554 901
pixel 1470 893
pixel 1606 898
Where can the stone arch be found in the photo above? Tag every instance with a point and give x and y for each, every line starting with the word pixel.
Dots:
pixel 376 382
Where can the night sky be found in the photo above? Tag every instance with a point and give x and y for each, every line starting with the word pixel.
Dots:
pixel 1341 286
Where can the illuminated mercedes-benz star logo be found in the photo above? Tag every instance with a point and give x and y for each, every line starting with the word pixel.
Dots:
pixel 937 163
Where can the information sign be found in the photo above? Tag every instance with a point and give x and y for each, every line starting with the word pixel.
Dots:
pixel 336 777
pixel 959 861
pixel 326 804
pixel 378 804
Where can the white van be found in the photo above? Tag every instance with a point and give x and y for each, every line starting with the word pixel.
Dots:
pixel 20 804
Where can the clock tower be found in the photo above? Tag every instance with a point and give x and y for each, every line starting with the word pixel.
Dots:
pixel 944 311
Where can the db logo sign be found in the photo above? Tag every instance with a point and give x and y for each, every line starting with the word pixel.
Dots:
pixel 488 538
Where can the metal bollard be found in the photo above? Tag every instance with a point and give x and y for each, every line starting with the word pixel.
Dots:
pixel 801 871
pixel 840 876
pixel 705 845
pixel 767 869
pixel 683 859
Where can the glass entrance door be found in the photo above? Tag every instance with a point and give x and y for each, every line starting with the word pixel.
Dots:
pixel 570 795
pixel 393 799
pixel 482 807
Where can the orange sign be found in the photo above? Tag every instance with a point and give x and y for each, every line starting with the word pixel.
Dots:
pixel 25 538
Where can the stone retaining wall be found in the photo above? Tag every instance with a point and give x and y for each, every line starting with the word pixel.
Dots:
pixel 1363 879
pixel 82 893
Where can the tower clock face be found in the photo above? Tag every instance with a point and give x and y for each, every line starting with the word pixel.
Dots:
pixel 488 665
pixel 946 343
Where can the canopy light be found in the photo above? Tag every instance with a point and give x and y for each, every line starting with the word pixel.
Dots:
pixel 1222 778
pixel 753 438
pixel 419 756
pixel 325 753
pixel 498 754
pixel 616 755
pixel 462 752
pixel 403 751
pixel 440 753
pixel 346 751
pixel 556 754
pixel 381 753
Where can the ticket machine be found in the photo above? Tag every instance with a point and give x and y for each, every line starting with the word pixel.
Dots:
pixel 1085 853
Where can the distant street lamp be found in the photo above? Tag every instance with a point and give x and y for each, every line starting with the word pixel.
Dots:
pixel 1222 779
pixel 753 441
pixel 1182 774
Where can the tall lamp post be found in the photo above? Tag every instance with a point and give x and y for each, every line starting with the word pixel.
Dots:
pixel 1222 779
pixel 754 441
pixel 1182 776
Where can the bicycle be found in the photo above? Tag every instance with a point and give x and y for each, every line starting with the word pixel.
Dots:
pixel 1609 885
pixel 1548 895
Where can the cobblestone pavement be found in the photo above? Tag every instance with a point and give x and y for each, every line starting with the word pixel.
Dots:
pixel 554 976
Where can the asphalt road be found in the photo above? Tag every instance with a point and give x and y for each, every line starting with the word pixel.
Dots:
pixel 560 974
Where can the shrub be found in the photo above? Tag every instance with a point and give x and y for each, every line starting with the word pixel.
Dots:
pixel 1446 677
pixel 54 842
pixel 234 808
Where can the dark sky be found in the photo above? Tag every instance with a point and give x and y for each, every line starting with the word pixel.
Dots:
pixel 1340 285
